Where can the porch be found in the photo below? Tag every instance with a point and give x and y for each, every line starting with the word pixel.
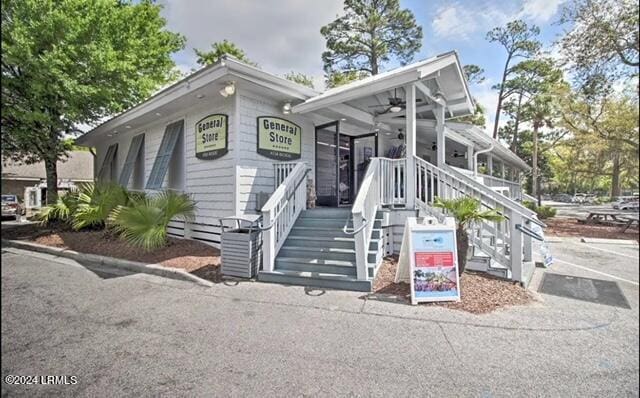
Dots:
pixel 421 153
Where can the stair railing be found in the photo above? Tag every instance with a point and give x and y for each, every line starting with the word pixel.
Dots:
pixel 393 181
pixel 281 211
pixel 363 212
pixel 506 242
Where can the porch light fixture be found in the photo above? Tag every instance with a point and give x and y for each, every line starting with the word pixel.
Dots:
pixel 395 109
pixel 434 146
pixel 228 90
pixel 286 108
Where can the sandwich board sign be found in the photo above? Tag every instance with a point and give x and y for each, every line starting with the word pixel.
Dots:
pixel 429 260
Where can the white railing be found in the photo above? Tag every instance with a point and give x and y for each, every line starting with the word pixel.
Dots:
pixel 502 240
pixel 281 171
pixel 515 189
pixel 364 210
pixel 393 181
pixel 281 211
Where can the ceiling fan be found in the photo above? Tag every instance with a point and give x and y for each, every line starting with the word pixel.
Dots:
pixel 395 105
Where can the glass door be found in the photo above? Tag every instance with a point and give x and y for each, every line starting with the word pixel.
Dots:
pixel 327 164
pixel 363 148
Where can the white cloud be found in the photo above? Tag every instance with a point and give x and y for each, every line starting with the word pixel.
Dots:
pixel 464 21
pixel 280 35
pixel 540 11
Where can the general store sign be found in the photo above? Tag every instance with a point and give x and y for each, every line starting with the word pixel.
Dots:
pixel 212 134
pixel 429 259
pixel 278 138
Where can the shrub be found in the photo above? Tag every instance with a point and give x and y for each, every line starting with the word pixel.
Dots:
pixel 545 212
pixel 466 211
pixel 95 203
pixel 145 220
pixel 529 205
pixel 62 211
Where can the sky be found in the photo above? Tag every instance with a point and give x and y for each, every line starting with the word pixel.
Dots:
pixel 284 35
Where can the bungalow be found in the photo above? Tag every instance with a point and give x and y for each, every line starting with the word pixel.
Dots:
pixel 332 176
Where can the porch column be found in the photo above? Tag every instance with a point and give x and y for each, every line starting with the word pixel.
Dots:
pixel 489 164
pixel 502 171
pixel 410 128
pixel 440 150
pixel 470 158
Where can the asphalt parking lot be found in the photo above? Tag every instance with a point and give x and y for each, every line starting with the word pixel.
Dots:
pixel 124 334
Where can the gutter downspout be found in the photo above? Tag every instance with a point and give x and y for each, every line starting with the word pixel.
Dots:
pixel 475 158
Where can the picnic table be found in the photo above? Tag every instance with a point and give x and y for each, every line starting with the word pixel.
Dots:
pixel 605 217
pixel 630 218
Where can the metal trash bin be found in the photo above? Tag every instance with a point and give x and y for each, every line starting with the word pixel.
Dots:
pixel 240 249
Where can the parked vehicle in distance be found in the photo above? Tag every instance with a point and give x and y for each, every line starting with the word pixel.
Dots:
pixel 11 207
pixel 584 198
pixel 626 203
pixel 562 197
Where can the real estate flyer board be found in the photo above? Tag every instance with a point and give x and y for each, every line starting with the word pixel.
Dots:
pixel 429 250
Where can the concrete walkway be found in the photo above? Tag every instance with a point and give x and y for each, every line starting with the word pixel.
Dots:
pixel 143 335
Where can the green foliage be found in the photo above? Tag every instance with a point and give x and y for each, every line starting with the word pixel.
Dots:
pixel 466 210
pixel 368 34
pixel 219 49
pixel 299 78
pixel 144 222
pixel 602 39
pixel 62 210
pixel 473 73
pixel 76 61
pixel 543 212
pixel 336 79
pixel 95 203
pixel 519 41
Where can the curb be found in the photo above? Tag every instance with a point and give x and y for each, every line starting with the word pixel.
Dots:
pixel 134 266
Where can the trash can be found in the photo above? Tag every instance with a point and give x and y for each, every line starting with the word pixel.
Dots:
pixel 240 251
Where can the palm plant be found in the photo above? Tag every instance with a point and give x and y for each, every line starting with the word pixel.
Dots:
pixel 145 220
pixel 62 210
pixel 96 202
pixel 466 210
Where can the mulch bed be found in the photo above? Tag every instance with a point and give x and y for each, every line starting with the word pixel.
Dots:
pixel 479 293
pixel 194 257
pixel 563 227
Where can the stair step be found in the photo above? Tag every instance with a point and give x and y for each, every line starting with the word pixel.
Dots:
pixel 324 253
pixel 315 279
pixel 376 233
pixel 338 268
pixel 330 222
pixel 337 242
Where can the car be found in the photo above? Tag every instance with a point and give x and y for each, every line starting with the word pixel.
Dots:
pixel 11 207
pixel 584 198
pixel 626 204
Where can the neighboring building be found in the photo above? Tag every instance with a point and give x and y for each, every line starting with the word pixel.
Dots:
pixel 375 151
pixel 29 181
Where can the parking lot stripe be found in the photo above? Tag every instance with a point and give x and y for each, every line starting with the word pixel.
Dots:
pixel 597 272
pixel 611 252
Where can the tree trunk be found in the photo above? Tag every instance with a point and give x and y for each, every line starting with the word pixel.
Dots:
pixel 615 175
pixel 462 246
pixel 534 163
pixel 514 142
pixel 50 166
pixel 499 107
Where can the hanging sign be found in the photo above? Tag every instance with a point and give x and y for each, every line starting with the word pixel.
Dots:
pixel 212 136
pixel 278 138
pixel 429 253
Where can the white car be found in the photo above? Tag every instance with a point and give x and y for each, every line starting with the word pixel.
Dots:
pixel 626 204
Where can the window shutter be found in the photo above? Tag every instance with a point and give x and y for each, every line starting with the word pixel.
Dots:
pixel 108 159
pixel 161 163
pixel 132 155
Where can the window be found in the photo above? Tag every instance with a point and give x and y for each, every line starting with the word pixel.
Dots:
pixel 107 170
pixel 168 150
pixel 133 162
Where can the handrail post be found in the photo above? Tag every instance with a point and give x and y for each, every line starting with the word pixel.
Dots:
pixel 361 249
pixel 516 247
pixel 528 247
pixel 268 243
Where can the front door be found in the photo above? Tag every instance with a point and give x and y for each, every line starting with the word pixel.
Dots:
pixel 341 162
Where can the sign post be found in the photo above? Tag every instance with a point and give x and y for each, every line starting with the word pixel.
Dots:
pixel 429 254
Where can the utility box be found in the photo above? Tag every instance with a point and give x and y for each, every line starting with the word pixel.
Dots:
pixel 240 249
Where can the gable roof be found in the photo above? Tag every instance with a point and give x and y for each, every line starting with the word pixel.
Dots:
pixel 77 167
